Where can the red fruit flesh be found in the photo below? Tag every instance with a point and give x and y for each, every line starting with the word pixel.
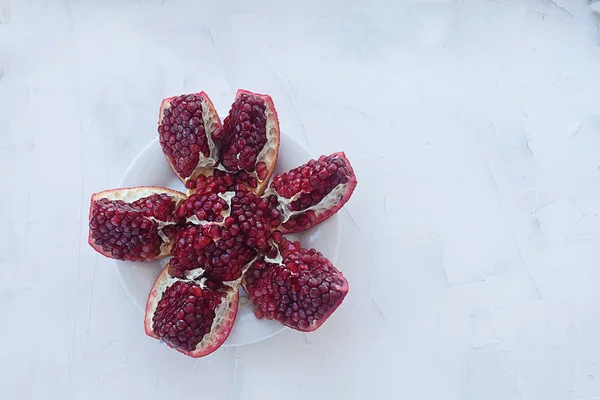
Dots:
pixel 185 129
pixel 132 224
pixel 222 200
pixel 221 181
pixel 203 207
pixel 193 316
pixel 254 217
pixel 297 287
pixel 210 249
pixel 313 192
pixel 250 137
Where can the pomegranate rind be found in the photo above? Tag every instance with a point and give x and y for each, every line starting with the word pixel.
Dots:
pixel 130 195
pixel 324 209
pixel 211 122
pixel 225 314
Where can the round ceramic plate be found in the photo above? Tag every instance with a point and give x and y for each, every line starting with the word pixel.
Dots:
pixel 150 168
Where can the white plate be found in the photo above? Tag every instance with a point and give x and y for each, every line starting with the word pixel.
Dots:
pixel 150 168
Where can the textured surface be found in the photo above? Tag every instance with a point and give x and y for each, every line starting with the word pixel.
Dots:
pixel 472 126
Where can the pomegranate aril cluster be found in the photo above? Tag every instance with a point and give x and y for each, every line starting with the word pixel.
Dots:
pixel 186 313
pixel 124 231
pixel 244 133
pixel 182 135
pixel 315 180
pixel 206 207
pixel 250 218
pixel 159 206
pixel 215 249
pixel 222 181
pixel 254 217
pixel 297 292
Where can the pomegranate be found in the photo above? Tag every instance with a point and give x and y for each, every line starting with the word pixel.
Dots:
pixel 313 192
pixel 298 287
pixel 250 137
pixel 186 126
pixel 133 224
pixel 193 315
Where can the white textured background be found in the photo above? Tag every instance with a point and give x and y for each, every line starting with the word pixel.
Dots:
pixel 471 244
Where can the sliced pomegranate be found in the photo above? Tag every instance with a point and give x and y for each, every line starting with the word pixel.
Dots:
pixel 133 224
pixel 313 192
pixel 250 137
pixel 211 250
pixel 186 126
pixel 295 286
pixel 192 315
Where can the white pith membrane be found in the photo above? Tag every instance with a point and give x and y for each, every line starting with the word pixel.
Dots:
pixel 211 122
pixel 278 258
pixel 329 201
pixel 131 195
pixel 268 154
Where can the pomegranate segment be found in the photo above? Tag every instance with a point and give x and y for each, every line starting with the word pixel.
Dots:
pixel 133 224
pixel 250 137
pixel 313 192
pixel 193 316
pixel 186 126
pixel 211 250
pixel 295 286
